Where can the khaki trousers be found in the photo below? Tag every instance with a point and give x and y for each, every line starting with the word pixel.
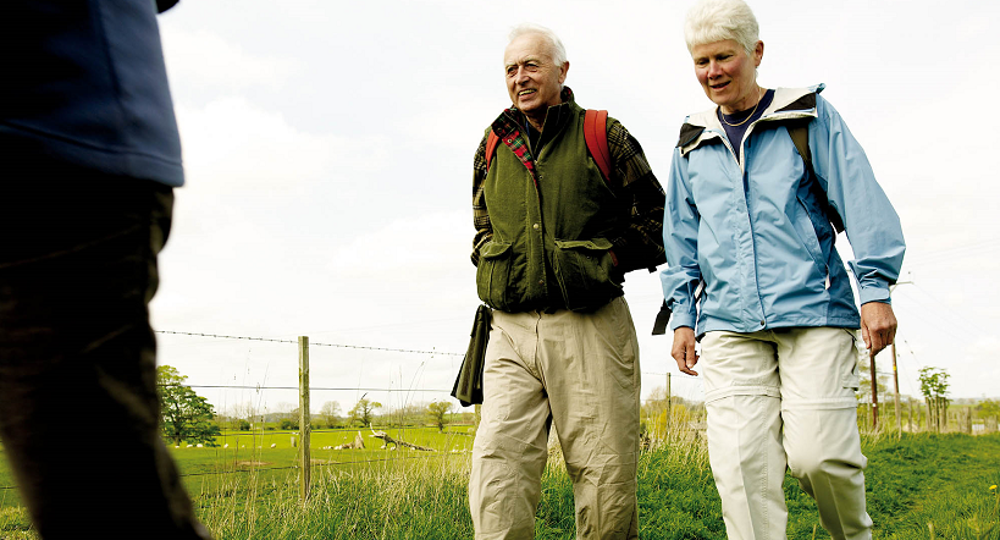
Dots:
pixel 579 371
pixel 780 397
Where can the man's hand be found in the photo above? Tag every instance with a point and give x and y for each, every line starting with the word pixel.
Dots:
pixel 683 350
pixel 878 326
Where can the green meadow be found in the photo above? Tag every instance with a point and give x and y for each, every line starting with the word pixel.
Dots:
pixel 921 486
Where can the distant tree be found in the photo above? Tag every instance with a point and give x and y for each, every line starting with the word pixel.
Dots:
pixel 410 414
pixel 362 412
pixel 438 412
pixel 243 424
pixel 185 415
pixel 289 424
pixel 988 408
pixel 330 413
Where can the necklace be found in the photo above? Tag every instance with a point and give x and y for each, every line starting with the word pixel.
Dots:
pixel 722 115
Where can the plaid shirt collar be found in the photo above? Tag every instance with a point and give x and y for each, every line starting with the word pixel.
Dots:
pixel 511 127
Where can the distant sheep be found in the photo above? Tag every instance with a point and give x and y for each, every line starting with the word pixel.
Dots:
pixel 274 445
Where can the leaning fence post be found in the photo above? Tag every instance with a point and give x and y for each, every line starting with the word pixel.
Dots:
pixel 305 459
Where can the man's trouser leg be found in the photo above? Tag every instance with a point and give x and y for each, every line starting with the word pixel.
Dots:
pixel 585 366
pixel 590 364
pixel 510 450
pixel 78 404
pixel 818 379
pixel 776 393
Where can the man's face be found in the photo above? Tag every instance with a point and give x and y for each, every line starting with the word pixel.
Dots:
pixel 534 81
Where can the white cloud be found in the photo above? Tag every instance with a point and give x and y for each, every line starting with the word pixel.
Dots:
pixel 233 143
pixel 208 61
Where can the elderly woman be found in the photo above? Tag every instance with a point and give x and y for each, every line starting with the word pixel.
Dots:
pixel 753 275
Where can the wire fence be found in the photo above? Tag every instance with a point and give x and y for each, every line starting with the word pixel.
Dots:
pixel 255 361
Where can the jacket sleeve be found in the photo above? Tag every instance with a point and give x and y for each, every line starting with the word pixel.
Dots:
pixel 681 221
pixel 480 214
pixel 638 245
pixel 871 223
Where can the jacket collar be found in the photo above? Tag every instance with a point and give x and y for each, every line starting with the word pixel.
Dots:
pixel 788 103
pixel 513 120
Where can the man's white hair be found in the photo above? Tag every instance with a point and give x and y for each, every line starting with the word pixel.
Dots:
pixel 558 51
pixel 718 20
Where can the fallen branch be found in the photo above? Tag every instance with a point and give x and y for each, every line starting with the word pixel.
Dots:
pixel 389 440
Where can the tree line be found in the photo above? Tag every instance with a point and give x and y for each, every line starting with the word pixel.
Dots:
pixel 189 418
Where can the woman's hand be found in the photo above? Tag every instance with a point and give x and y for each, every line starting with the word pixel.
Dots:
pixel 878 326
pixel 683 350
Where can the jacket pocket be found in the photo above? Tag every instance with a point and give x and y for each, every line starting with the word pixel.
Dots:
pixel 583 269
pixel 493 273
pixel 851 378
pixel 806 227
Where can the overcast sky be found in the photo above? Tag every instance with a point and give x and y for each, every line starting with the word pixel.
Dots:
pixel 328 149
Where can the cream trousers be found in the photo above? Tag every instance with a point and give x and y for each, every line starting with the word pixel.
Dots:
pixel 579 371
pixel 777 398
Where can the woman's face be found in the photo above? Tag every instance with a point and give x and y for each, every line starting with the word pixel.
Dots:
pixel 728 74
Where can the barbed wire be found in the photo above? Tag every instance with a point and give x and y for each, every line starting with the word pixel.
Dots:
pixel 311 343
pixel 311 388
pixel 327 464
pixel 294 467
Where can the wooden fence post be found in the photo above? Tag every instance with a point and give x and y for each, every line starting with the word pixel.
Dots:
pixel 874 375
pixel 895 384
pixel 305 427
pixel 909 403
pixel 670 407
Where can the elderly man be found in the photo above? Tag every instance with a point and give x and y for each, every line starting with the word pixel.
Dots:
pixel 554 238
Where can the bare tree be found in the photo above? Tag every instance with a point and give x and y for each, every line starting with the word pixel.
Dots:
pixel 330 413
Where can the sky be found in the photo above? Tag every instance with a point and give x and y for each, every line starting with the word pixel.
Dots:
pixel 328 152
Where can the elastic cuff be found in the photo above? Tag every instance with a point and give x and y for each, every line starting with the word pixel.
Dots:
pixel 874 293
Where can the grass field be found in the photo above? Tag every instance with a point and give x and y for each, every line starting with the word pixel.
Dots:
pixel 920 487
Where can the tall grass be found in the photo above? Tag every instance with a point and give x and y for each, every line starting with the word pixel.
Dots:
pixel 922 486
pixel 398 499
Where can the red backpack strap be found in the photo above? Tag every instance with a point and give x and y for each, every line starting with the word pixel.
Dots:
pixel 595 131
pixel 491 147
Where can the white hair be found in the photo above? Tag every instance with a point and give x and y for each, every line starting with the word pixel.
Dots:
pixel 718 20
pixel 558 51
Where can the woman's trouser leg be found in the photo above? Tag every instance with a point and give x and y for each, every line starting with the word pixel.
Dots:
pixel 742 396
pixel 818 380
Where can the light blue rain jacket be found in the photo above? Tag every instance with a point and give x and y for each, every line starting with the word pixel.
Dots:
pixel 750 247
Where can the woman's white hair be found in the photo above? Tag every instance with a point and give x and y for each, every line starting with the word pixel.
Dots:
pixel 558 51
pixel 718 20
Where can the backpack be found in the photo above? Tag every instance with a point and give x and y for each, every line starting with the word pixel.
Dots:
pixel 595 132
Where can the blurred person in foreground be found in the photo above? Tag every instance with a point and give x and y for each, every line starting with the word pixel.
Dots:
pixel 89 154
pixel 554 239
pixel 754 275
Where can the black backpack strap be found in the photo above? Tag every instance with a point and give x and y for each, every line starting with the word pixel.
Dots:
pixel 799 132
pixel 662 318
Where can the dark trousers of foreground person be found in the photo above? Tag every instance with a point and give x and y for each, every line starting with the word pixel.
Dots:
pixel 79 411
